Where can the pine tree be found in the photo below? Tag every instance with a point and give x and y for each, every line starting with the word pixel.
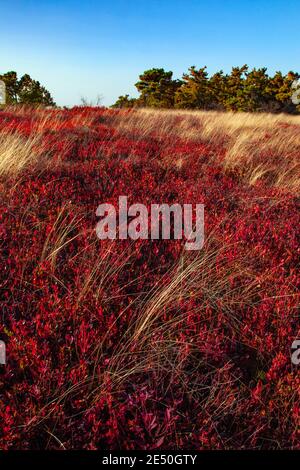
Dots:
pixel 25 90
pixel 234 98
pixel 256 92
pixel 125 102
pixel 241 90
pixel 157 88
pixel 282 89
pixel 194 91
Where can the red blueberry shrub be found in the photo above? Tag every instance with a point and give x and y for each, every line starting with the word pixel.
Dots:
pixel 141 344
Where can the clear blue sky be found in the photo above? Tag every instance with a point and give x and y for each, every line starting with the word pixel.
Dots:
pixel 89 48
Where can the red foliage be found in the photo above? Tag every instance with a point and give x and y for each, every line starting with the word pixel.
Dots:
pixel 237 387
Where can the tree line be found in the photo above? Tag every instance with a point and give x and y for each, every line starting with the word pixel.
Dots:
pixel 25 90
pixel 240 90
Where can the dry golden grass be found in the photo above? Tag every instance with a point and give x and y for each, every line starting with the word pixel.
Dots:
pixel 257 146
pixel 153 343
pixel 210 126
pixel 60 235
pixel 16 153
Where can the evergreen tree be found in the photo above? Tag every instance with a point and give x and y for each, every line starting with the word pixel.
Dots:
pixel 241 90
pixel 195 90
pixel 234 98
pixel 282 90
pixel 217 85
pixel 157 88
pixel 12 87
pixel 25 90
pixel 257 94
pixel 125 102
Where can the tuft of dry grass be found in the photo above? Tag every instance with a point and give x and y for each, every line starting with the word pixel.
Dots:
pixel 64 230
pixel 16 153
pixel 153 342
pixel 257 146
